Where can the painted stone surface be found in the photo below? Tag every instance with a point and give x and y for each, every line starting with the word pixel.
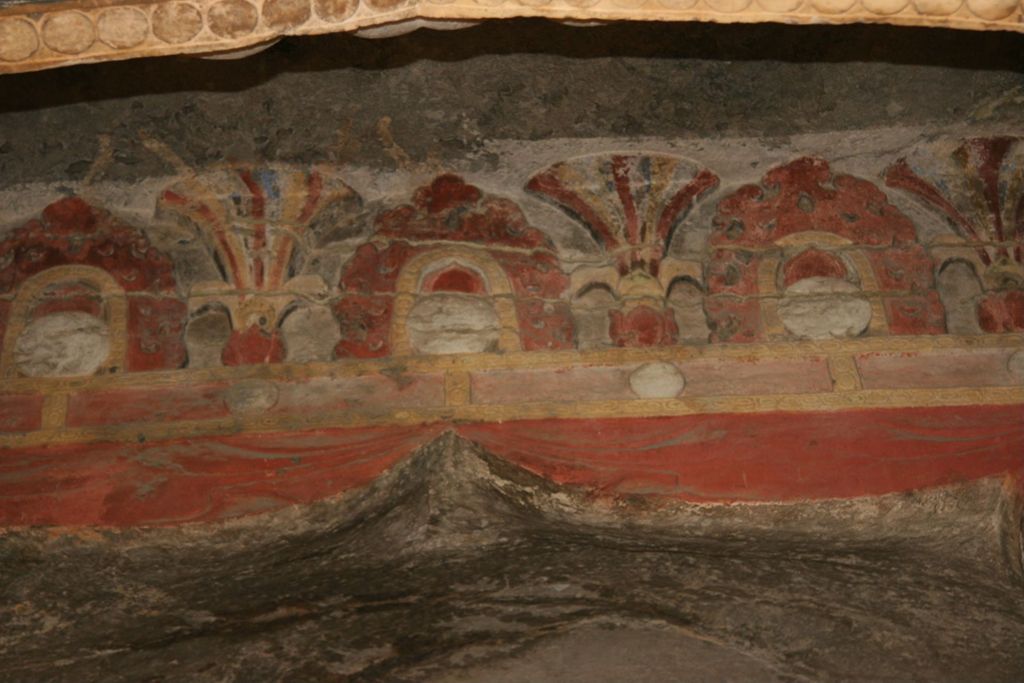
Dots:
pixel 591 310
pixel 960 292
pixel 253 345
pixel 686 299
pixel 257 225
pixel 310 334
pixel 805 223
pixel 657 380
pixel 206 336
pixel 70 236
pixel 979 192
pixel 643 326
pixel 807 254
pixel 493 251
pixel 20 412
pixel 926 369
pixel 215 400
pixel 805 195
pixel 69 231
pixel 699 458
pixel 1015 364
pixel 458 566
pixel 813 225
pixel 251 398
pixel 456 263
pixel 632 206
pixel 591 462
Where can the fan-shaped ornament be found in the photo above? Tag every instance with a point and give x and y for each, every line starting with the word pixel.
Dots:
pixel 631 204
pixel 256 221
pixel 255 218
pixel 980 190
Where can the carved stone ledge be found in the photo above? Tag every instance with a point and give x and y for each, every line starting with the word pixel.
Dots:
pixel 43 36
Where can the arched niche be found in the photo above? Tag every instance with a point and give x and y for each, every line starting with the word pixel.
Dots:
pixel 960 290
pixel 820 286
pixel 685 296
pixel 206 334
pixel 435 314
pixel 590 311
pixel 310 332
pixel 66 343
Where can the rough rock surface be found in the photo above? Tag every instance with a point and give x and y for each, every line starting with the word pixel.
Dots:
pixel 446 93
pixel 456 566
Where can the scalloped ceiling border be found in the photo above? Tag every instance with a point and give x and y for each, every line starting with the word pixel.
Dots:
pixel 43 36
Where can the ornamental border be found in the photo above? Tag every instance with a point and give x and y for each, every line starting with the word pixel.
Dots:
pixel 43 36
pixel 847 391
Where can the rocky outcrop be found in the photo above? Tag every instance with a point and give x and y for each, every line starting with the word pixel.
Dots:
pixel 457 566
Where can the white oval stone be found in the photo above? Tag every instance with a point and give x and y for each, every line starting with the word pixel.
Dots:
pixel 67 344
pixel 824 308
pixel 250 398
pixel 453 323
pixel 657 380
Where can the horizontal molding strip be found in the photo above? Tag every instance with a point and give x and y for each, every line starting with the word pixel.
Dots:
pixel 419 364
pixel 456 375
pixel 638 408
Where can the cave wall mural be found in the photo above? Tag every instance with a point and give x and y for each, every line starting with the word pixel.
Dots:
pixel 807 253
pixel 87 293
pixel 454 271
pixel 284 300
pixel 511 340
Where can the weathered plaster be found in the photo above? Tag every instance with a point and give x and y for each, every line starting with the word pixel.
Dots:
pixel 657 449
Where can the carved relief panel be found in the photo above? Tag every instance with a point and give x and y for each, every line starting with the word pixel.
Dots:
pixel 90 294
pixel 632 206
pixel 979 190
